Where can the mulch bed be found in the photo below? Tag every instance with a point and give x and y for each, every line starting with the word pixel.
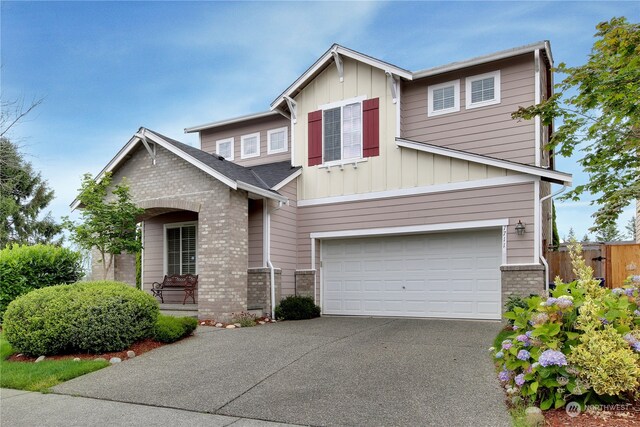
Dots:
pixel 139 348
pixel 624 416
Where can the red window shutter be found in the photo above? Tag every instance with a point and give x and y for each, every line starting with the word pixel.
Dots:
pixel 371 127
pixel 315 138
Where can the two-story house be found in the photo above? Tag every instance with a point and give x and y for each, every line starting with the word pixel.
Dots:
pixel 376 190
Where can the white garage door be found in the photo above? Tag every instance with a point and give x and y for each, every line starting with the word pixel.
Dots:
pixel 454 275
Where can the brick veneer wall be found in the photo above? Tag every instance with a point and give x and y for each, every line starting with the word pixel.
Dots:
pixel 123 268
pixel 521 280
pixel 222 224
pixel 304 282
pixel 259 288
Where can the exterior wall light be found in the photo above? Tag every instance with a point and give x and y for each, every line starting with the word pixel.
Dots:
pixel 520 227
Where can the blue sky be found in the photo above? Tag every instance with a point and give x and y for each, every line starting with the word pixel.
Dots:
pixel 107 68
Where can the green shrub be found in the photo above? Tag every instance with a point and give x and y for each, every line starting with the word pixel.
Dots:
pixel 514 301
pixel 245 319
pixel 92 317
pixel 582 343
pixel 297 308
pixel 169 329
pixel 25 268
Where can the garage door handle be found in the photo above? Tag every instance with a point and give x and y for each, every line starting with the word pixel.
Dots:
pixel 404 287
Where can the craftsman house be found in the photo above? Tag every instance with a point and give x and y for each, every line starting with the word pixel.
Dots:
pixel 376 190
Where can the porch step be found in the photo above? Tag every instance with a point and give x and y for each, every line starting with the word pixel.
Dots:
pixel 179 310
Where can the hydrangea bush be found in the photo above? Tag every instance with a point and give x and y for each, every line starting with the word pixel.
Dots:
pixel 581 343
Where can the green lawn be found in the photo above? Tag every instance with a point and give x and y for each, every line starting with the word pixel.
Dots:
pixel 43 375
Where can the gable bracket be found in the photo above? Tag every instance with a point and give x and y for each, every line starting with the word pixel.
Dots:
pixel 338 59
pixel 293 107
pixel 151 149
pixel 393 85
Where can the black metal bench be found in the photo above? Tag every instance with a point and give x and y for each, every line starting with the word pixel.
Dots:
pixel 186 283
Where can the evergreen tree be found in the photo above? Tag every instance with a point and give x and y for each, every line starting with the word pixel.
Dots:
pixel 608 233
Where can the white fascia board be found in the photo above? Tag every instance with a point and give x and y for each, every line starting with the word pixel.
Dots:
pixel 412 229
pixel 287 180
pixel 262 192
pixel 328 56
pixel 195 162
pixel 415 191
pixel 232 121
pixel 484 59
pixel 554 176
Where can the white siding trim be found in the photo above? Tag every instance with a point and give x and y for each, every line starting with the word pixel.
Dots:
pixel 287 180
pixel 537 226
pixel 412 229
pixel 504 243
pixel 496 90
pixel 456 98
pixel 261 192
pixel 554 176
pixel 223 141
pixel 536 83
pixel 436 188
pixel 286 142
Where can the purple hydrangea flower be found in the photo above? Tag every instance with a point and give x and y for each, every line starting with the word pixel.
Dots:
pixel 528 334
pixel 522 338
pixel 506 344
pixel 504 376
pixel 618 291
pixel 630 339
pixel 604 321
pixel 499 355
pixel 636 346
pixel 540 318
pixel 636 313
pixel 519 379
pixel 629 292
pixel 551 301
pixel 551 358
pixel 523 355
pixel 564 302
pixel 514 327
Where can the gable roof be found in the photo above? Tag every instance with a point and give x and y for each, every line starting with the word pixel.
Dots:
pixel 257 179
pixel 231 121
pixel 325 60
pixel 546 174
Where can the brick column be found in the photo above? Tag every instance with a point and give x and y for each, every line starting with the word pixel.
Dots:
pixel 521 280
pixel 304 283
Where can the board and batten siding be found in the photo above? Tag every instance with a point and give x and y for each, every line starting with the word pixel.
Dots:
pixel 208 138
pixel 284 227
pixel 487 130
pixel 154 250
pixel 514 202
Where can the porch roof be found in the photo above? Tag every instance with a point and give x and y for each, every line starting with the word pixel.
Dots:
pixel 261 180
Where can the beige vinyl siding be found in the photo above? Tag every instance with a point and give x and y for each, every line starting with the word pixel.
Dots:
pixel 514 202
pixel 256 234
pixel 284 237
pixel 154 250
pixel 488 130
pixel 209 137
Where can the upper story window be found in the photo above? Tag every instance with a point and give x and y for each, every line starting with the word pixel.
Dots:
pixel 344 131
pixel 444 98
pixel 224 148
pixel 483 89
pixel 277 141
pixel 250 145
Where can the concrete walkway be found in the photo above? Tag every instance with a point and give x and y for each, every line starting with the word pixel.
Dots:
pixel 23 408
pixel 327 371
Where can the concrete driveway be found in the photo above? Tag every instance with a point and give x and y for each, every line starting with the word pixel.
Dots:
pixel 326 371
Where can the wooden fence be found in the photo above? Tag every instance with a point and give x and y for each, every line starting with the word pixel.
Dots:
pixel 613 262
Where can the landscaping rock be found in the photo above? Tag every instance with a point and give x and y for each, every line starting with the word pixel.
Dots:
pixel 100 359
pixel 231 326
pixel 40 359
pixel 237 325
pixel 115 360
pixel 76 359
pixel 534 416
pixel 19 355
pixel 261 322
pixel 219 325
pixel 131 354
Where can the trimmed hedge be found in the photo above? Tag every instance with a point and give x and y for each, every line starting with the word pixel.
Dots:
pixel 92 317
pixel 25 268
pixel 169 329
pixel 297 308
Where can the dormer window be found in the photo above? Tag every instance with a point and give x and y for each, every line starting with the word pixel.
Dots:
pixel 250 146
pixel 443 98
pixel 482 90
pixel 224 148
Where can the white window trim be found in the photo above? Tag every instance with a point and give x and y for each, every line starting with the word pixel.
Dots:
pixel 165 260
pixel 456 98
pixel 340 104
pixel 286 142
pixel 496 90
pixel 223 141
pixel 242 139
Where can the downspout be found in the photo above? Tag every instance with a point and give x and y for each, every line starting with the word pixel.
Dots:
pixel 542 258
pixel 267 249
